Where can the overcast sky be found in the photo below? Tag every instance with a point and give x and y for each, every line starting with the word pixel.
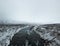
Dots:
pixel 30 11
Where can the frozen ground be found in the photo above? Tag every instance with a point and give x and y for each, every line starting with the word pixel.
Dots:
pixel 49 32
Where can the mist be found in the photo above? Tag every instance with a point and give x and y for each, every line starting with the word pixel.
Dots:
pixel 30 11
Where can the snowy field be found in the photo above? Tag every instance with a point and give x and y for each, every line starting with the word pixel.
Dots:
pixel 30 35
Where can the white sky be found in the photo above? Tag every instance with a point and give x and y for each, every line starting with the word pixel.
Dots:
pixel 31 11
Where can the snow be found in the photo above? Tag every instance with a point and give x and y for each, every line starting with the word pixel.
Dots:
pixel 49 35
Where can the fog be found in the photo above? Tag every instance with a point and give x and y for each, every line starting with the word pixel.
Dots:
pixel 30 11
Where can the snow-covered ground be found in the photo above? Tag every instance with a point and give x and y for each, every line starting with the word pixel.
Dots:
pixel 48 32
